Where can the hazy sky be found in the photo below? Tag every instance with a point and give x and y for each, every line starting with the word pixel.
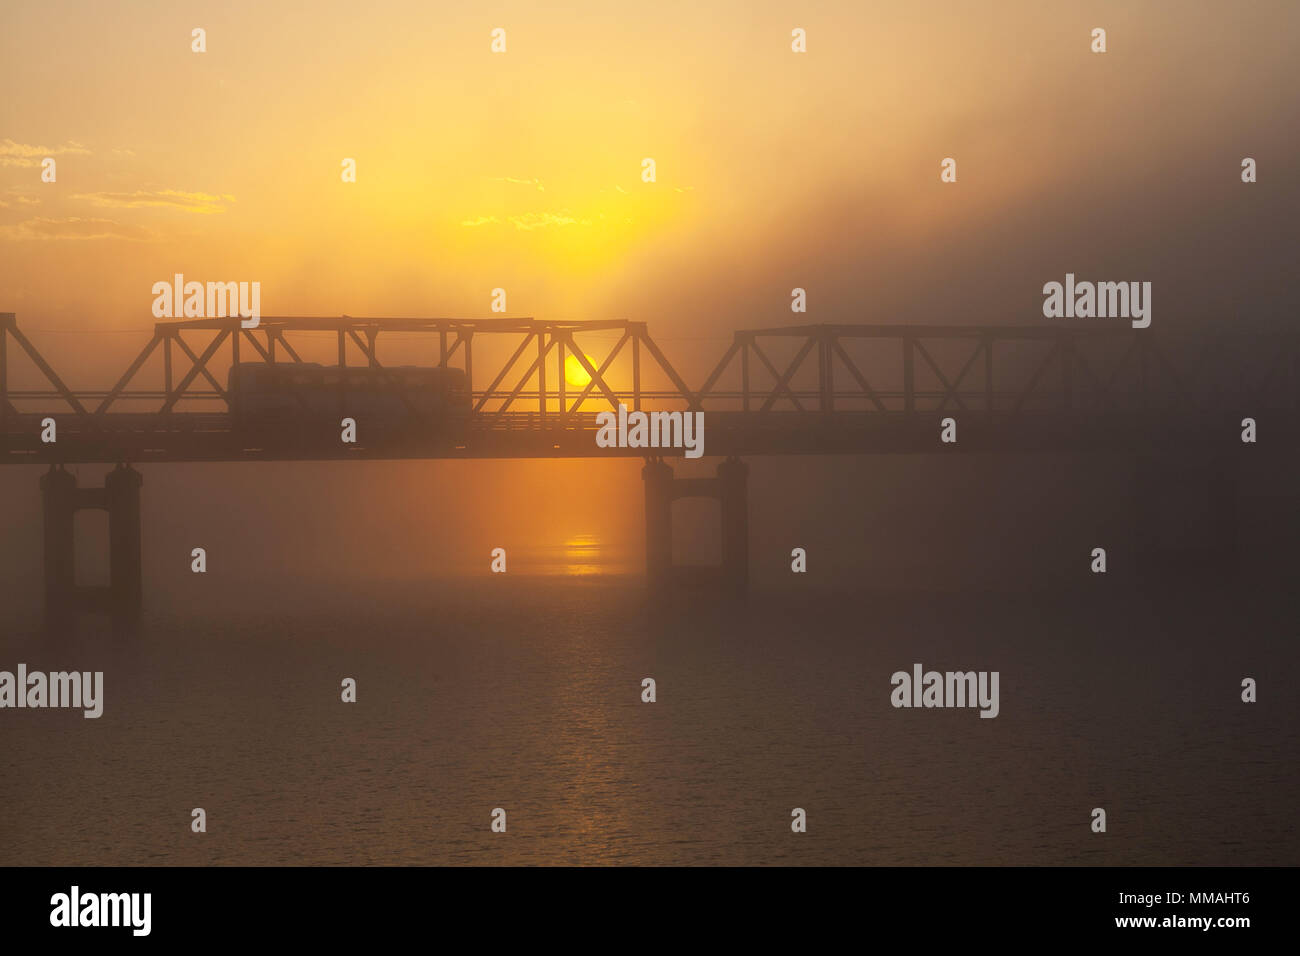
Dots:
pixel 522 170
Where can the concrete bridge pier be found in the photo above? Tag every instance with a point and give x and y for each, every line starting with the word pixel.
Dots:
pixel 733 492
pixel 59 497
pixel 126 577
pixel 730 488
pixel 120 497
pixel 658 479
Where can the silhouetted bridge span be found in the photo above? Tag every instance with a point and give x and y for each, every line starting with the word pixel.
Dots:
pixel 837 389
pixel 810 389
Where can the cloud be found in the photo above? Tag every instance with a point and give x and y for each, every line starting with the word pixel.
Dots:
pixel 12 196
pixel 24 154
pixel 519 182
pixel 205 203
pixel 541 220
pixel 530 220
pixel 73 228
pixel 17 195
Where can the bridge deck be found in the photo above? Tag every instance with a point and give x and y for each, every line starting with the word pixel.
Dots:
pixel 214 437
pixel 815 389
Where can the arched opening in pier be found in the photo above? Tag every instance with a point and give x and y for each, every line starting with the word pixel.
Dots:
pixel 90 548
pixel 697 532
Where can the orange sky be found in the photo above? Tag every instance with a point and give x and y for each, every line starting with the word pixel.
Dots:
pixel 522 170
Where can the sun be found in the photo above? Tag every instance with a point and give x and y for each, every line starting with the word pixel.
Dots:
pixel 574 373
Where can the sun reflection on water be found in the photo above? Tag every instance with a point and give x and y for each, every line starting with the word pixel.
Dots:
pixel 582 555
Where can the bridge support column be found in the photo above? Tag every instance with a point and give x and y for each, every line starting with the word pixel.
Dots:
pixel 120 497
pixel 733 487
pixel 730 488
pixel 658 478
pixel 58 498
pixel 122 491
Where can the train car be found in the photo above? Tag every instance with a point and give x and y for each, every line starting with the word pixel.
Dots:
pixel 384 401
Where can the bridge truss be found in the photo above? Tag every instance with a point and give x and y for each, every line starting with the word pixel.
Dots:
pixel 800 389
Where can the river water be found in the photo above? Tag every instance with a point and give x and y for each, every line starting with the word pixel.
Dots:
pixel 523 691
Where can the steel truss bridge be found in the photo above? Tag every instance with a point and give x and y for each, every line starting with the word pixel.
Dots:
pixel 811 389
